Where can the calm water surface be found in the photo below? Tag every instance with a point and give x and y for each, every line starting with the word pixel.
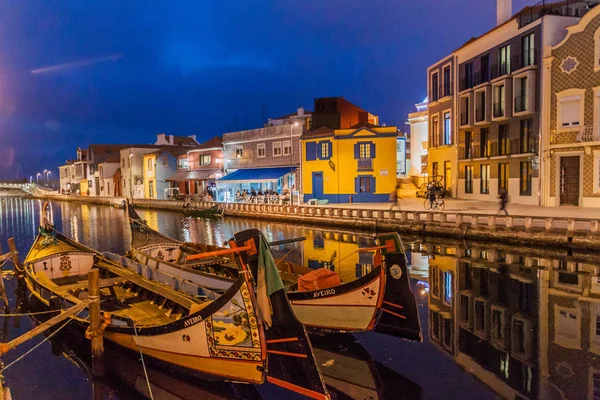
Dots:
pixel 514 323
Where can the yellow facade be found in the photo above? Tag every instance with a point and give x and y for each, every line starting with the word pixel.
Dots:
pixel 150 176
pixel 337 249
pixel 345 164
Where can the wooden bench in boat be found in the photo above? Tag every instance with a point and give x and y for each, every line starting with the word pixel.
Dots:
pixel 103 283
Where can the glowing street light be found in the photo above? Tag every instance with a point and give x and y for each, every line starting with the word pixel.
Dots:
pixel 37 178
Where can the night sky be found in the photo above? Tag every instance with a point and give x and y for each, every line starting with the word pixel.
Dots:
pixel 77 72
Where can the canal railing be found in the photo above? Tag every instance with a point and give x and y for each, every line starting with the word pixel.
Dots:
pixel 582 232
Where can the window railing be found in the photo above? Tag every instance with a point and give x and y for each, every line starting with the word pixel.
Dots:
pixel 499 109
pixel 524 146
pixel 365 164
pixel 484 149
pixel 464 118
pixel 588 134
pixel 567 8
pixel 500 69
pixel 479 114
pixel 521 103
pixel 441 91
pixel 525 59
pixel 466 83
pixel 503 147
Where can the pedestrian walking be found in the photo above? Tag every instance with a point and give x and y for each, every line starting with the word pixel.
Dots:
pixel 503 196
pixel 395 198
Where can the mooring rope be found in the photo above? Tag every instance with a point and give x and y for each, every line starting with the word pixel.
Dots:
pixel 143 363
pixel 38 345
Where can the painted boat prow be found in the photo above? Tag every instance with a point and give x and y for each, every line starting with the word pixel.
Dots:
pixel 399 316
pixel 292 363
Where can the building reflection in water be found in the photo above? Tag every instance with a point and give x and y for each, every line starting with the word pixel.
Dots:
pixel 525 325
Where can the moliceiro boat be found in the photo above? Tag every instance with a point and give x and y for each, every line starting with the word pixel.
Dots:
pixel 357 305
pixel 223 337
pixel 203 212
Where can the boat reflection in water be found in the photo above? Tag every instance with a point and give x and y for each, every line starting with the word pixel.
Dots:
pixel 350 373
pixel 526 323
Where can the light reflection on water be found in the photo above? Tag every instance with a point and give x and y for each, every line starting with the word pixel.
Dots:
pixel 524 321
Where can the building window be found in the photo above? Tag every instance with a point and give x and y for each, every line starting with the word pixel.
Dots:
pixel 447 82
pixel 239 152
pixel 503 140
pixel 287 148
pixel 525 178
pixel 521 95
pixel 504 60
pixel 464 111
pixel 448 287
pixel 528 48
pixel 570 104
pixel 260 150
pixel 366 184
pixel 434 169
pixel 435 131
pixel 468 75
pixel 204 159
pixel 485 179
pixel 525 139
pixel 435 87
pixel 503 177
pixel 447 129
pixel 325 152
pixel 182 163
pixel 149 163
pixel 364 150
pixel 468 144
pixel 497 324
pixel 100 171
pixel 567 327
pixel 499 97
pixel 276 149
pixel 480 106
pixel 484 142
pixel 122 163
pixel 435 282
pixel 594 384
pixel 468 179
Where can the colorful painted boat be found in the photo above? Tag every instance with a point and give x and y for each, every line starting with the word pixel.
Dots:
pixel 222 337
pixel 351 306
pixel 204 212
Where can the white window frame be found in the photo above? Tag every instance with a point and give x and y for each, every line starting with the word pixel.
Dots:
pixel 516 90
pixel 476 95
pixel 469 108
pixel 241 148
pixel 443 128
pixel 570 95
pixel 287 145
pixel 277 145
pixel 259 147
pixel 569 343
pixel 507 105
pixel 527 339
pixel 435 116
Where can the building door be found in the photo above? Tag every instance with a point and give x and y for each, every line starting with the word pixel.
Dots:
pixel 448 176
pixel 317 184
pixel 569 180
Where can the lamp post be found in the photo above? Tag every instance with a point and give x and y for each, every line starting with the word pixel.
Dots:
pixel 130 175
pixel 291 163
pixel 48 176
pixel 37 178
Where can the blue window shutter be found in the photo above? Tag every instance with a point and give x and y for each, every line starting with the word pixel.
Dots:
pixel 311 151
pixel 372 150
pixel 313 264
pixel 373 185
pixel 357 185
pixel 356 151
pixel 358 273
pixel 330 144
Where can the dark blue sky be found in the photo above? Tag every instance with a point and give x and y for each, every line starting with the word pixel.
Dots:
pixel 207 67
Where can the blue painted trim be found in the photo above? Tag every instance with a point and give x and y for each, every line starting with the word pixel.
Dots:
pixel 378 135
pixel 356 198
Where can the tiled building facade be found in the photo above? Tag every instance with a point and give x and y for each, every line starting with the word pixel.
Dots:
pixel 573 111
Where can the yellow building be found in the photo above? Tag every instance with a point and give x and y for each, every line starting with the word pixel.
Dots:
pixel 149 175
pixel 343 165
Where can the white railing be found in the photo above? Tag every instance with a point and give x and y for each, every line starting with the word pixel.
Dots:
pixel 588 134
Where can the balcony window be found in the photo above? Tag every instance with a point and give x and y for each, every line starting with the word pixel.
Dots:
pixel 447 89
pixel 287 148
pixel 260 150
pixel 464 115
pixel 485 179
pixel 503 177
pixel 499 97
pixel 149 164
pixel 434 87
pixel 504 60
pixel 570 109
pixel 447 129
pixel 448 286
pixel 525 178
pixel 468 179
pixel 468 144
pixel 276 149
pixel 435 131
pixel 204 159
pixel 503 140
pixel 485 68
pixel 525 139
pixel 480 110
pixel 484 138
pixel 528 50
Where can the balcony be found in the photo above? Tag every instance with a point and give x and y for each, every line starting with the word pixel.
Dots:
pixel 526 146
pixel 503 147
pixel 464 118
pixel 441 91
pixel 480 114
pixel 500 69
pixel 365 164
pixel 499 109
pixel 520 104
pixel 525 59
pixel 568 8
pixel 484 149
pixel 466 83
pixel 588 134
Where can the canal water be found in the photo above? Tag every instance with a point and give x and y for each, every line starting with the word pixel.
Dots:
pixel 497 321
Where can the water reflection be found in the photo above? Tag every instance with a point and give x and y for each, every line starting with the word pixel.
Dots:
pixel 524 323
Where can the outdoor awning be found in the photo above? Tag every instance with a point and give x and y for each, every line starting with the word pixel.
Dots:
pixel 257 175
pixel 197 175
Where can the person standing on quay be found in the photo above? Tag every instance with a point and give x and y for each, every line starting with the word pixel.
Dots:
pixel 503 200
pixel 395 198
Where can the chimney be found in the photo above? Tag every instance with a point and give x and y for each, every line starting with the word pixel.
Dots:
pixel 300 110
pixel 503 11
pixel 171 139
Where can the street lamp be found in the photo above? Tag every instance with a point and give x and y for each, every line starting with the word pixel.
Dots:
pixel 291 163
pixel 48 176
pixel 37 178
pixel 130 175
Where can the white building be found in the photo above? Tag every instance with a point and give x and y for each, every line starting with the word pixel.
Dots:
pixel 418 138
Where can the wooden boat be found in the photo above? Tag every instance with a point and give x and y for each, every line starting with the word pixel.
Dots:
pixel 351 306
pixel 222 337
pixel 203 213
